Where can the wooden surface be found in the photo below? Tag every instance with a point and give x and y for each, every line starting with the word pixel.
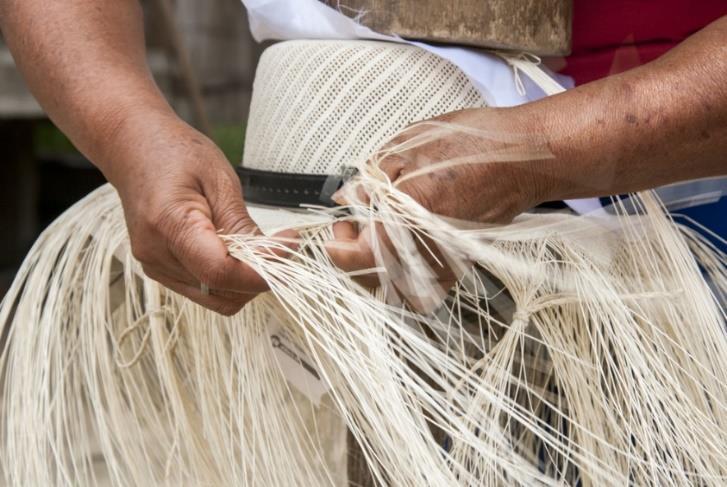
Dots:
pixel 538 26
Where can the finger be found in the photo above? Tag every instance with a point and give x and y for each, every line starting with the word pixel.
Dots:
pixel 165 264
pixel 227 304
pixel 230 215
pixel 223 192
pixel 289 238
pixel 354 192
pixel 204 255
pixel 175 273
pixel 351 251
pixel 159 275
pixel 345 230
pixel 348 250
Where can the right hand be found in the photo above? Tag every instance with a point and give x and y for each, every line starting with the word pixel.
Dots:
pixel 178 191
pixel 485 190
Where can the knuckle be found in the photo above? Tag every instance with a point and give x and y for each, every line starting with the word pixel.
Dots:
pixel 226 179
pixel 161 220
pixel 234 218
pixel 223 186
pixel 393 164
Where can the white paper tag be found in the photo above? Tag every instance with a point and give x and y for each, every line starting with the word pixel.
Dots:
pixel 298 368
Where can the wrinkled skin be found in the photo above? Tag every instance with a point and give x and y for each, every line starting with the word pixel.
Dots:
pixel 452 191
pixel 177 188
pixel 657 124
pixel 174 211
pixel 85 62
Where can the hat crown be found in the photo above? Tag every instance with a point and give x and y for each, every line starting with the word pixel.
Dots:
pixel 320 105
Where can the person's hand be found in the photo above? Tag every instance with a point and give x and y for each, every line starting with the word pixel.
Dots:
pixel 178 191
pixel 461 174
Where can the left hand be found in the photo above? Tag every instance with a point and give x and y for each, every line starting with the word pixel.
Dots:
pixel 481 190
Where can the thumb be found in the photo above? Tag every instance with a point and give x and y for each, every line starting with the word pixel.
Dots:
pixel 392 166
pixel 231 216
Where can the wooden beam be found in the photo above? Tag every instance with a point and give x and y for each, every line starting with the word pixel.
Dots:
pixel 539 26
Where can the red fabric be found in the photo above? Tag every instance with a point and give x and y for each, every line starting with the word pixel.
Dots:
pixel 611 36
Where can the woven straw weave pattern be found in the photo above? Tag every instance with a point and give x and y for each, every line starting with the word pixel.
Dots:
pixel 320 105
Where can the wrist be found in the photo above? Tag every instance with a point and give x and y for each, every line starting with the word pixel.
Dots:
pixel 539 135
pixel 570 137
pixel 127 137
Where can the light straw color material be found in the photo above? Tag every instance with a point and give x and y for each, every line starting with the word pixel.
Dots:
pixel 578 350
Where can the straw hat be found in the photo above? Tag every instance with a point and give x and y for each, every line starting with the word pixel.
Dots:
pixel 608 367
pixel 319 106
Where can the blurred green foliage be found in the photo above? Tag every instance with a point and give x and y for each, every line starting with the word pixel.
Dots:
pixel 49 140
pixel 231 139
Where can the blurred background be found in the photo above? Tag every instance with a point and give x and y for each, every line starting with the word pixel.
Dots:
pixel 203 58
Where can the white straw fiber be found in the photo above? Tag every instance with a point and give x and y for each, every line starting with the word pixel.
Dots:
pixel 319 103
pixel 574 350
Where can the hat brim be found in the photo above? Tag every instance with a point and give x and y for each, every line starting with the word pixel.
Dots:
pixel 272 220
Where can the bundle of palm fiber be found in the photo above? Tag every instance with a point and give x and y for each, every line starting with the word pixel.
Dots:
pixel 573 349
pixel 578 350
